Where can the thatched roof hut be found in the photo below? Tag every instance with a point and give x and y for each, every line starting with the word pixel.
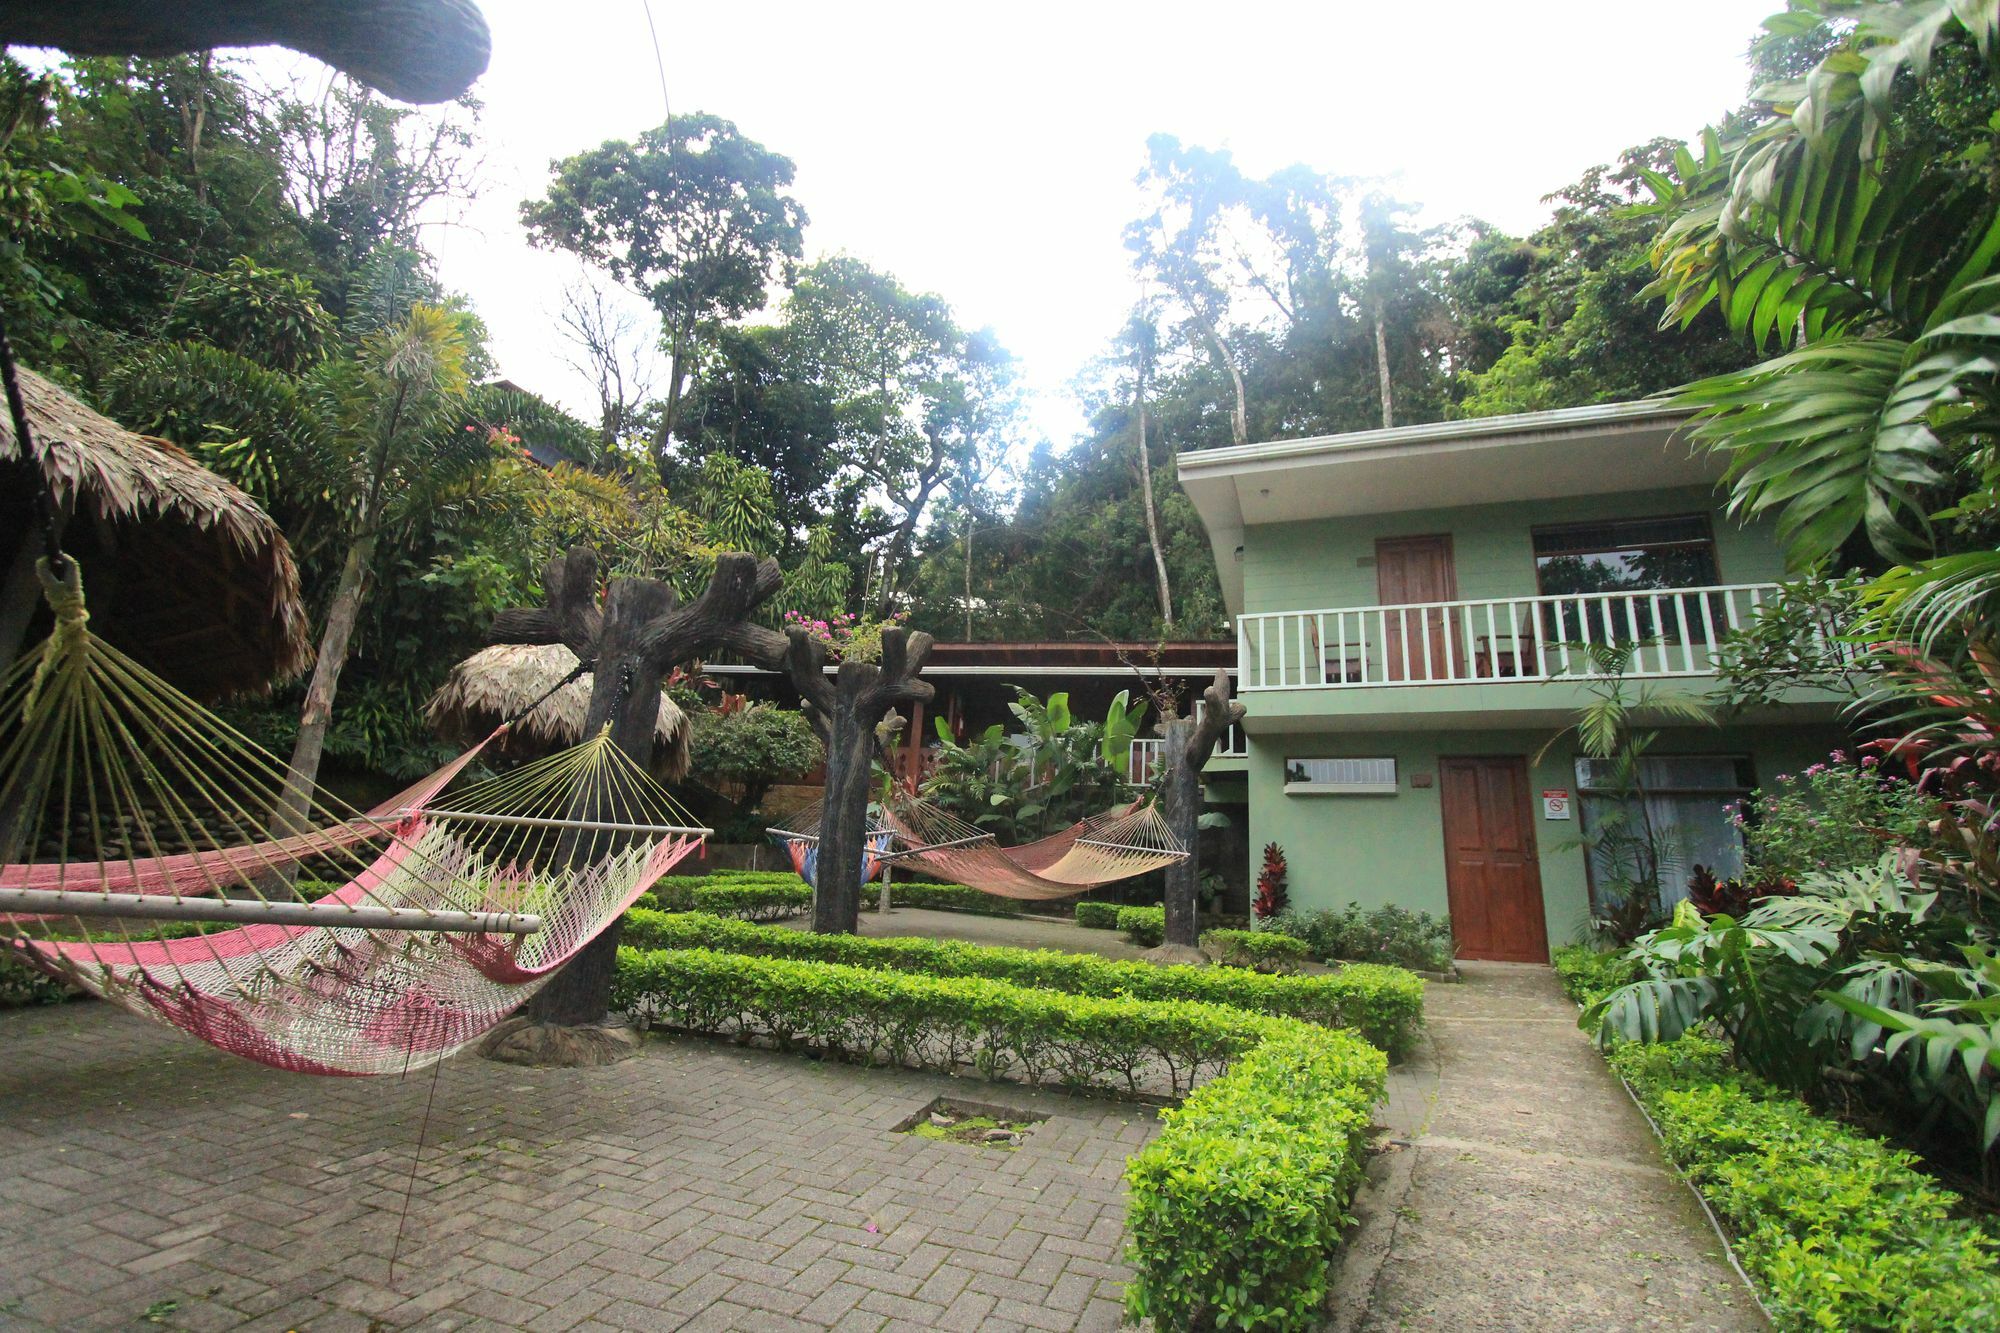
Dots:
pixel 495 683
pixel 183 571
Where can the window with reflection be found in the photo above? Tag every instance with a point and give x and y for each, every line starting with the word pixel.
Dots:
pixel 1618 579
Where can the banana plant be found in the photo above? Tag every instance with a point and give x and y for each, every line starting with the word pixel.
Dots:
pixel 1121 728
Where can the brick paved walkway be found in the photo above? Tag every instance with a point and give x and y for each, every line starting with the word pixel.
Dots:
pixel 700 1186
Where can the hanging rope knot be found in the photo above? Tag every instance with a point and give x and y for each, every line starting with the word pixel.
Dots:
pixel 62 589
pixel 64 594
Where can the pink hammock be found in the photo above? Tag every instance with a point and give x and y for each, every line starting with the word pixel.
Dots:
pixel 215 870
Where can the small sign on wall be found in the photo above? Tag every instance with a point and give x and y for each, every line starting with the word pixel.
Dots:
pixel 1555 803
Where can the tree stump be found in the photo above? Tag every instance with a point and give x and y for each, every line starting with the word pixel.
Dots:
pixel 640 633
pixel 844 712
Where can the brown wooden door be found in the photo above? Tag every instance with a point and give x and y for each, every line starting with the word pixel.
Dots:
pixel 1492 877
pixel 1409 570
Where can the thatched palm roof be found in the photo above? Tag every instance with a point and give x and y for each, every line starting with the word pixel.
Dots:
pixel 183 570
pixel 495 683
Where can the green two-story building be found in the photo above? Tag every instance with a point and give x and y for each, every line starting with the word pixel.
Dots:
pixel 1412 612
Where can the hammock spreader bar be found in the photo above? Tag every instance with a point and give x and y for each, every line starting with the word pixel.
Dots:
pixel 331 916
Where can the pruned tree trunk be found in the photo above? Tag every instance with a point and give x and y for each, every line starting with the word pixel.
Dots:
pixel 1188 743
pixel 641 632
pixel 342 614
pixel 845 712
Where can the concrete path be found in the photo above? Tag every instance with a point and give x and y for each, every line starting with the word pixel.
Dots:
pixel 1522 1189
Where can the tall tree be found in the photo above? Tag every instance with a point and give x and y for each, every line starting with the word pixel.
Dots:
pixel 695 217
pixel 1142 337
pixel 388 411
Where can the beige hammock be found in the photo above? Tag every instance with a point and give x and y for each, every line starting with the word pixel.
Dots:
pixel 1115 845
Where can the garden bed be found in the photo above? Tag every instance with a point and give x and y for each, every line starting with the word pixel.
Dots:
pixel 1835 1228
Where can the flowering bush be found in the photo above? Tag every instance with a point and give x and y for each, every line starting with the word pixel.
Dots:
pixel 1834 816
pixel 848 638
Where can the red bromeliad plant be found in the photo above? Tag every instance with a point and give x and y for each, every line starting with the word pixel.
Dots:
pixel 1272 897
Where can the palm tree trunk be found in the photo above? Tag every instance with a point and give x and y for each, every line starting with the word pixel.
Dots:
pixel 302 774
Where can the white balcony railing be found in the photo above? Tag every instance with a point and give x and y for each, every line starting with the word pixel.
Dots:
pixel 1146 753
pixel 1670 632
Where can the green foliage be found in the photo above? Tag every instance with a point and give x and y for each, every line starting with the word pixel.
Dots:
pixel 1383 1004
pixel 1950 1048
pixel 743 898
pixel 1023 792
pixel 267 315
pixel 1588 973
pixel 1799 639
pixel 1839 1230
pixel 1258 950
pixel 1097 916
pixel 1837 815
pixel 1144 926
pixel 943 898
pixel 1387 934
pixel 1238 1205
pixel 754 747
pixel 1763 981
pixel 22 986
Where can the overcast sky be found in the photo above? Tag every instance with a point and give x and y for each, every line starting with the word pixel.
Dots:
pixel 987 152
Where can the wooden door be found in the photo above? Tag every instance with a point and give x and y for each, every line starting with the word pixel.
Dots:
pixel 1492 877
pixel 1412 570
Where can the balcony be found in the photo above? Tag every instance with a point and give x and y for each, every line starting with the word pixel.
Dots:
pixel 1670 633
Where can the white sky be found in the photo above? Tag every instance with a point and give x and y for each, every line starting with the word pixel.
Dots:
pixel 987 152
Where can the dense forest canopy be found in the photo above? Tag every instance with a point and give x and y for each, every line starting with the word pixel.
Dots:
pixel 242 269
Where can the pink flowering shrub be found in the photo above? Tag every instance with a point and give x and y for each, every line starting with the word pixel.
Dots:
pixel 1835 815
pixel 848 638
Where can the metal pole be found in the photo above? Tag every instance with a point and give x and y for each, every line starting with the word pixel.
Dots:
pixel 343 916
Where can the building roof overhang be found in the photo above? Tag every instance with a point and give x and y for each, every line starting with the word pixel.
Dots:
pixel 1596 450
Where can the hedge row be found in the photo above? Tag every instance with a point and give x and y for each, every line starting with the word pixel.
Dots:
pixel 746 897
pixel 1098 916
pixel 1238 1204
pixel 23 986
pixel 1839 1230
pixel 941 898
pixel 1383 1004
pixel 1144 926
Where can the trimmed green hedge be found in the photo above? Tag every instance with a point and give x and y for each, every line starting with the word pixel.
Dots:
pixel 1840 1230
pixel 1383 1004
pixel 23 986
pixel 940 1023
pixel 1098 916
pixel 1588 973
pixel 747 897
pixel 1259 950
pixel 1238 1205
pixel 1144 926
pixel 940 898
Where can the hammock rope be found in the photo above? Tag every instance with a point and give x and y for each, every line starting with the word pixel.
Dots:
pixel 1116 844
pixel 114 782
pixel 799 834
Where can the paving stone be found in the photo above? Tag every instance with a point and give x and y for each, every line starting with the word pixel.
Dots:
pixel 700 1182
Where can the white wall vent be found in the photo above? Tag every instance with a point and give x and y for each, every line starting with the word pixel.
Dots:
pixel 1341 777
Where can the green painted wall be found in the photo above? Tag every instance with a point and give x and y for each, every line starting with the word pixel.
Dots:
pixel 1390 849
pixel 1310 566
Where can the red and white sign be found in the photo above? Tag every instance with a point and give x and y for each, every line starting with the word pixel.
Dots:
pixel 1555 803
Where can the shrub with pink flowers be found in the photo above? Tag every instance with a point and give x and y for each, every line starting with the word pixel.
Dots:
pixel 1835 815
pixel 848 638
